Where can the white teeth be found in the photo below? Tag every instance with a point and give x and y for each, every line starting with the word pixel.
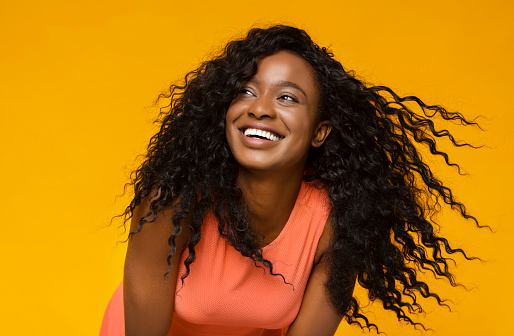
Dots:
pixel 261 133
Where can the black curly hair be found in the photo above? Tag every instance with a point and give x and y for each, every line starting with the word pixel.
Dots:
pixel 383 194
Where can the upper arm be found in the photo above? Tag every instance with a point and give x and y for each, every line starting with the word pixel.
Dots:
pixel 148 295
pixel 317 315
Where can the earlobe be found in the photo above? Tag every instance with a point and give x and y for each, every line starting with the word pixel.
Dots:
pixel 322 132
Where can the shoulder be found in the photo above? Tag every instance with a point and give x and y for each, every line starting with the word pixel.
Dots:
pixel 315 194
pixel 151 228
pixel 324 241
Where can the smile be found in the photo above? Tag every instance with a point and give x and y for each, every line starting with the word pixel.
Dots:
pixel 260 134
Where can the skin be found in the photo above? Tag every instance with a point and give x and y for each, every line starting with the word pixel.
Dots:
pixel 148 297
pixel 282 97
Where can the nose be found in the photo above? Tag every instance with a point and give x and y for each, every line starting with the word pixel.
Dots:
pixel 262 107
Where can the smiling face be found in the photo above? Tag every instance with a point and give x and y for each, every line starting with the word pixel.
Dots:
pixel 272 123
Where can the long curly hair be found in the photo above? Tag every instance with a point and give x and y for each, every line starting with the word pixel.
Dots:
pixel 383 194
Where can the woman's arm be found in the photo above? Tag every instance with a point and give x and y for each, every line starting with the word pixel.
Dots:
pixel 148 296
pixel 317 315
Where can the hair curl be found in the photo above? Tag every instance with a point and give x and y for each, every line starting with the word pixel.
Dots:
pixel 383 194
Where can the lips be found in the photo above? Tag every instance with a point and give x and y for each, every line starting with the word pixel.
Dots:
pixel 260 134
pixel 259 131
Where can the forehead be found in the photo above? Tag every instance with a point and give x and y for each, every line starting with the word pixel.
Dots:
pixel 286 65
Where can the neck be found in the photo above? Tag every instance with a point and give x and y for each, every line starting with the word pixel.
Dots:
pixel 270 198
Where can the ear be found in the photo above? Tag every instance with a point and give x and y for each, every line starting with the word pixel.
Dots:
pixel 321 133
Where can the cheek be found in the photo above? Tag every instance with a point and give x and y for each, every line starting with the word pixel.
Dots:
pixel 230 131
pixel 228 121
pixel 232 112
pixel 302 126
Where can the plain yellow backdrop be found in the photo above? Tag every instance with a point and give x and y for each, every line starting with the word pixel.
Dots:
pixel 77 83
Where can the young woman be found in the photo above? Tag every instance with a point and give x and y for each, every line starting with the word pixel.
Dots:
pixel 276 181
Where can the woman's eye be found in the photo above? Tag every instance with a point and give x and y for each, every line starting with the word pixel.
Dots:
pixel 246 92
pixel 288 97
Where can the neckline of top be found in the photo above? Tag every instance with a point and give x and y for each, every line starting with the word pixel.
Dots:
pixel 299 199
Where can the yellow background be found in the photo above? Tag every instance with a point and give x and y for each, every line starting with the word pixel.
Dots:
pixel 77 83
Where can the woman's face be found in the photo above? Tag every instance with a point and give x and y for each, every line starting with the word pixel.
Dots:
pixel 272 123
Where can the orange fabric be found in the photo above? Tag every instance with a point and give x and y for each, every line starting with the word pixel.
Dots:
pixel 113 323
pixel 226 294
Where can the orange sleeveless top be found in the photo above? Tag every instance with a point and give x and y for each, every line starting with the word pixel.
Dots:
pixel 226 294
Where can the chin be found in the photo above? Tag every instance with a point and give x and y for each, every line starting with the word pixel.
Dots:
pixel 256 165
pixel 271 167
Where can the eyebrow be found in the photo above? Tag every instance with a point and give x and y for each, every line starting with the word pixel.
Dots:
pixel 282 83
